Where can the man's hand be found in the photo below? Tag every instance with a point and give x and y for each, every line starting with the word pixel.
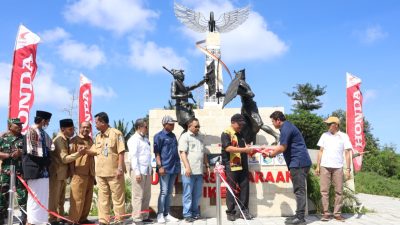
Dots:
pixel 161 170
pixel 317 171
pixel 208 171
pixel 120 172
pixel 16 154
pixel 188 172
pixel 347 175
pixel 82 150
pixel 138 178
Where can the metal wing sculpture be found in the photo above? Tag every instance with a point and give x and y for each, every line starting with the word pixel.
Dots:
pixel 197 22
pixel 231 20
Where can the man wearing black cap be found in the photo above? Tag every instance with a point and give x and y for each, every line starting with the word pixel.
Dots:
pixel 10 153
pixel 59 168
pixel 35 165
pixel 234 158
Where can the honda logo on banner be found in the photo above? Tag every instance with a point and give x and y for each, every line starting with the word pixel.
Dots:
pixel 355 119
pixel 23 72
pixel 85 100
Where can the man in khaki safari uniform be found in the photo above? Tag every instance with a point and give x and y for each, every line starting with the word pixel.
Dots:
pixel 59 169
pixel 82 176
pixel 110 167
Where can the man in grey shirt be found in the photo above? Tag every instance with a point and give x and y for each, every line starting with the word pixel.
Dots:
pixel 193 155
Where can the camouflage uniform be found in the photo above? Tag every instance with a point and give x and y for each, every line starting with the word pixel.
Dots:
pixel 8 144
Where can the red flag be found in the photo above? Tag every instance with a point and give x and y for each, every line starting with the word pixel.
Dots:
pixel 22 75
pixel 85 100
pixel 355 119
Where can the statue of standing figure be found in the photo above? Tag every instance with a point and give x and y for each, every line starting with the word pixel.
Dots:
pixel 181 94
pixel 249 109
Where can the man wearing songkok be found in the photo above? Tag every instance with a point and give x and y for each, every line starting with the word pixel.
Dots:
pixel 59 168
pixel 35 165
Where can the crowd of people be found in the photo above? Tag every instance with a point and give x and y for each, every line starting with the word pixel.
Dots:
pixel 46 164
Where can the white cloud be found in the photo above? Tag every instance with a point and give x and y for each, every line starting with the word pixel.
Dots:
pixel 149 57
pixel 371 34
pixel 5 74
pixel 119 16
pixel 103 92
pixel 54 35
pixel 250 41
pixel 369 95
pixel 47 91
pixel 80 54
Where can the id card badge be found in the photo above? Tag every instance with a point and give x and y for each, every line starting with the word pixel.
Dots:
pixel 105 150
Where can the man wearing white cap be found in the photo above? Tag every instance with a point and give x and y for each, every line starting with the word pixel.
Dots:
pixel 168 167
pixel 330 165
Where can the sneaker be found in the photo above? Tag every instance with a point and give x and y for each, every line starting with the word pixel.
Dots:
pixel 160 218
pixel 198 217
pixel 170 218
pixel 189 220
pixel 231 217
pixel 290 218
pixel 339 218
pixel 325 217
pixel 296 221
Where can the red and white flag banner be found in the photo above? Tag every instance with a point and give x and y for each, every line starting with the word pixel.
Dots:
pixel 355 119
pixel 23 72
pixel 85 100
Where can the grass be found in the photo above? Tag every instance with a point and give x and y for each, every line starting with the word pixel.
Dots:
pixel 372 183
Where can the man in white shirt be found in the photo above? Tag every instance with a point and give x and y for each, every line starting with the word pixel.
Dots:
pixel 333 144
pixel 140 158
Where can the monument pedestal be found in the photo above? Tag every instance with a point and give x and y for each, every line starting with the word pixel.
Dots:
pixel 271 191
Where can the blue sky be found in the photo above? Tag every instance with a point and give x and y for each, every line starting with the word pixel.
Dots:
pixel 122 44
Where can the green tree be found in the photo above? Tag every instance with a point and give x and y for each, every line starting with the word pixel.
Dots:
pixel 310 125
pixel 307 97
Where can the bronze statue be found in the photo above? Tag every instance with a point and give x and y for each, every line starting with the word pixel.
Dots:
pixel 181 94
pixel 249 108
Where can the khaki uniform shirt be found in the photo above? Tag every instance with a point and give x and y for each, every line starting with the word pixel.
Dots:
pixel 60 157
pixel 84 165
pixel 108 146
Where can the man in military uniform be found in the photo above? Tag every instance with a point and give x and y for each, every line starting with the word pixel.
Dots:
pixel 110 167
pixel 59 168
pixel 11 144
pixel 82 171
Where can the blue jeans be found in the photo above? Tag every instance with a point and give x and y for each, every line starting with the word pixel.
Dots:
pixel 164 199
pixel 192 189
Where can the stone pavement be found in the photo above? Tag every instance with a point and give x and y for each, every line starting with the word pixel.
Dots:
pixel 386 212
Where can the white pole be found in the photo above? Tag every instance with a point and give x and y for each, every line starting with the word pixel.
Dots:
pixel 11 196
pixel 218 193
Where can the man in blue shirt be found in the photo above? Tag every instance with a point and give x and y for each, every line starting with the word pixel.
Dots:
pixel 168 167
pixel 294 149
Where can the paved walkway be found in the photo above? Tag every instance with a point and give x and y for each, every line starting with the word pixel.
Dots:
pixel 386 212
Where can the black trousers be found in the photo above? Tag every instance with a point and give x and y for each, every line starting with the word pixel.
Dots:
pixel 237 180
pixel 299 177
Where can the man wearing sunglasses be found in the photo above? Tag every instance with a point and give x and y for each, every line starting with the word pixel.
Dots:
pixel 193 155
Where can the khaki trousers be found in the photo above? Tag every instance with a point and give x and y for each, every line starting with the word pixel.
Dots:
pixel 327 177
pixel 56 197
pixel 80 197
pixel 111 188
pixel 140 197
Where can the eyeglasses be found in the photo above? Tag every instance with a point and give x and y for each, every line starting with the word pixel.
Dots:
pixel 197 127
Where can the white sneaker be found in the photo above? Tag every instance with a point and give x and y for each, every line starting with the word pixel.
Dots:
pixel 170 218
pixel 160 218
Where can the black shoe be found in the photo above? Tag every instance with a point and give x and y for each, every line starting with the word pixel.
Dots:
pixel 231 217
pixel 87 222
pixel 247 215
pixel 296 221
pixel 290 218
pixel 189 220
pixel 147 220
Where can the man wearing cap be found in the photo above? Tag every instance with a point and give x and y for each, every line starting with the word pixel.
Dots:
pixel 11 144
pixel 109 145
pixel 235 160
pixel 333 144
pixel 291 143
pixel 35 165
pixel 168 167
pixel 59 168
pixel 83 173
